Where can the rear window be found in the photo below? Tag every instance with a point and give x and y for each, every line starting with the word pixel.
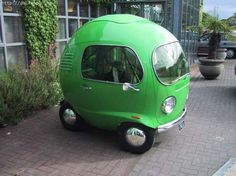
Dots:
pixel 170 63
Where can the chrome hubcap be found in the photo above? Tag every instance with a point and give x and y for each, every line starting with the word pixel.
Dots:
pixel 230 53
pixel 69 116
pixel 135 137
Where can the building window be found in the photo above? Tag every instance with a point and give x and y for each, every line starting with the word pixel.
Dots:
pixel 72 15
pixel 1 41
pixel 73 26
pixel 11 6
pixel 169 19
pixel 151 11
pixel 12 46
pixel 72 8
pixel 16 56
pixel 154 12
pixel 190 18
pixel 94 10
pixel 83 10
pixel 2 63
pixel 62 28
pixel 60 48
pixel 12 23
pixel 102 10
pixel 61 8
pixel 134 9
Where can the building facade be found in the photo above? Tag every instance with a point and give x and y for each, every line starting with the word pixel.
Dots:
pixel 178 16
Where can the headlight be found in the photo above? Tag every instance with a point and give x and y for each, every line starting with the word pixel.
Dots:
pixel 168 105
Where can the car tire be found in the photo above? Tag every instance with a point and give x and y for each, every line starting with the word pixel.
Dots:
pixel 135 138
pixel 230 53
pixel 70 119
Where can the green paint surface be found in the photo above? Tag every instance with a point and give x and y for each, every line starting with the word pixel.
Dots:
pixel 106 105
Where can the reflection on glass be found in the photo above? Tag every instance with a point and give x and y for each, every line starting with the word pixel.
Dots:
pixel 170 62
pixel 83 21
pixel 60 49
pixel 2 65
pixel 16 56
pixel 102 10
pixel 169 20
pixel 72 8
pixel 109 10
pixel 134 9
pixel 190 17
pixel 13 29
pixel 154 12
pixel 11 6
pixel 61 8
pixel 113 64
pixel 83 10
pixel 94 10
pixel 62 29
pixel 0 32
pixel 73 26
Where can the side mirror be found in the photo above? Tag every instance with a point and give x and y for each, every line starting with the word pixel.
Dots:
pixel 127 86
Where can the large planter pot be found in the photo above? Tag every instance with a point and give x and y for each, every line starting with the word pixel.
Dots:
pixel 211 68
pixel 221 53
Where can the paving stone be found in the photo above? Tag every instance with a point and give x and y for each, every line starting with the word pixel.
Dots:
pixel 40 146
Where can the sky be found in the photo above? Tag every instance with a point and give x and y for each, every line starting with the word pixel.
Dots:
pixel 225 8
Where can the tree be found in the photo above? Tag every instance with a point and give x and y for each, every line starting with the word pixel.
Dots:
pixel 217 28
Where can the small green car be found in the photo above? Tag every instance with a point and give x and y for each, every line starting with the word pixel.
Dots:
pixel 124 73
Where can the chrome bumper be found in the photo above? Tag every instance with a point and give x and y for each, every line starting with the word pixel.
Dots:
pixel 172 124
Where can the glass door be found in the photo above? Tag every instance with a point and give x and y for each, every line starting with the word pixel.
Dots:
pixel 152 11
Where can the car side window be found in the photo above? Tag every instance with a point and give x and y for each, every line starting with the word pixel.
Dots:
pixel 205 37
pixel 112 64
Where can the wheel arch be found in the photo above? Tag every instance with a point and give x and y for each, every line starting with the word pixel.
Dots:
pixel 134 123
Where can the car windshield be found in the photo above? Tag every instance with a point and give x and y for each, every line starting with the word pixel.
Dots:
pixel 169 63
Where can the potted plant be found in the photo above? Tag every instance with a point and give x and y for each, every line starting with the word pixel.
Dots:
pixel 211 66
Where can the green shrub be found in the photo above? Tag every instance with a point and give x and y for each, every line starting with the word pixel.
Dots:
pixel 23 91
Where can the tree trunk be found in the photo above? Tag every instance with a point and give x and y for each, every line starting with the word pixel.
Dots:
pixel 214 43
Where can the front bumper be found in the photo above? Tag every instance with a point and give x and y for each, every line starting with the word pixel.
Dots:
pixel 174 123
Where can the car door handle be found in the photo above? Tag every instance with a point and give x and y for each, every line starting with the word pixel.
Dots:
pixel 85 87
pixel 127 86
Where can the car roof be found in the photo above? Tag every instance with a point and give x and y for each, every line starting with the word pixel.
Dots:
pixel 126 30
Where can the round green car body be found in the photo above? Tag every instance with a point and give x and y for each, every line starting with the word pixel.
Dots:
pixel 125 73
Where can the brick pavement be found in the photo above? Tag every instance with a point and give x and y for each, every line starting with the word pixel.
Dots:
pixel 40 146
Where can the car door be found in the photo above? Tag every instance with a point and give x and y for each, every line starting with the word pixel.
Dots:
pixel 104 70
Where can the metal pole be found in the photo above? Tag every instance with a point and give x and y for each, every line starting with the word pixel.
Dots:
pixel 177 13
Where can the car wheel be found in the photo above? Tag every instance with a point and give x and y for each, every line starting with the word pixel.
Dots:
pixel 70 119
pixel 135 138
pixel 230 53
